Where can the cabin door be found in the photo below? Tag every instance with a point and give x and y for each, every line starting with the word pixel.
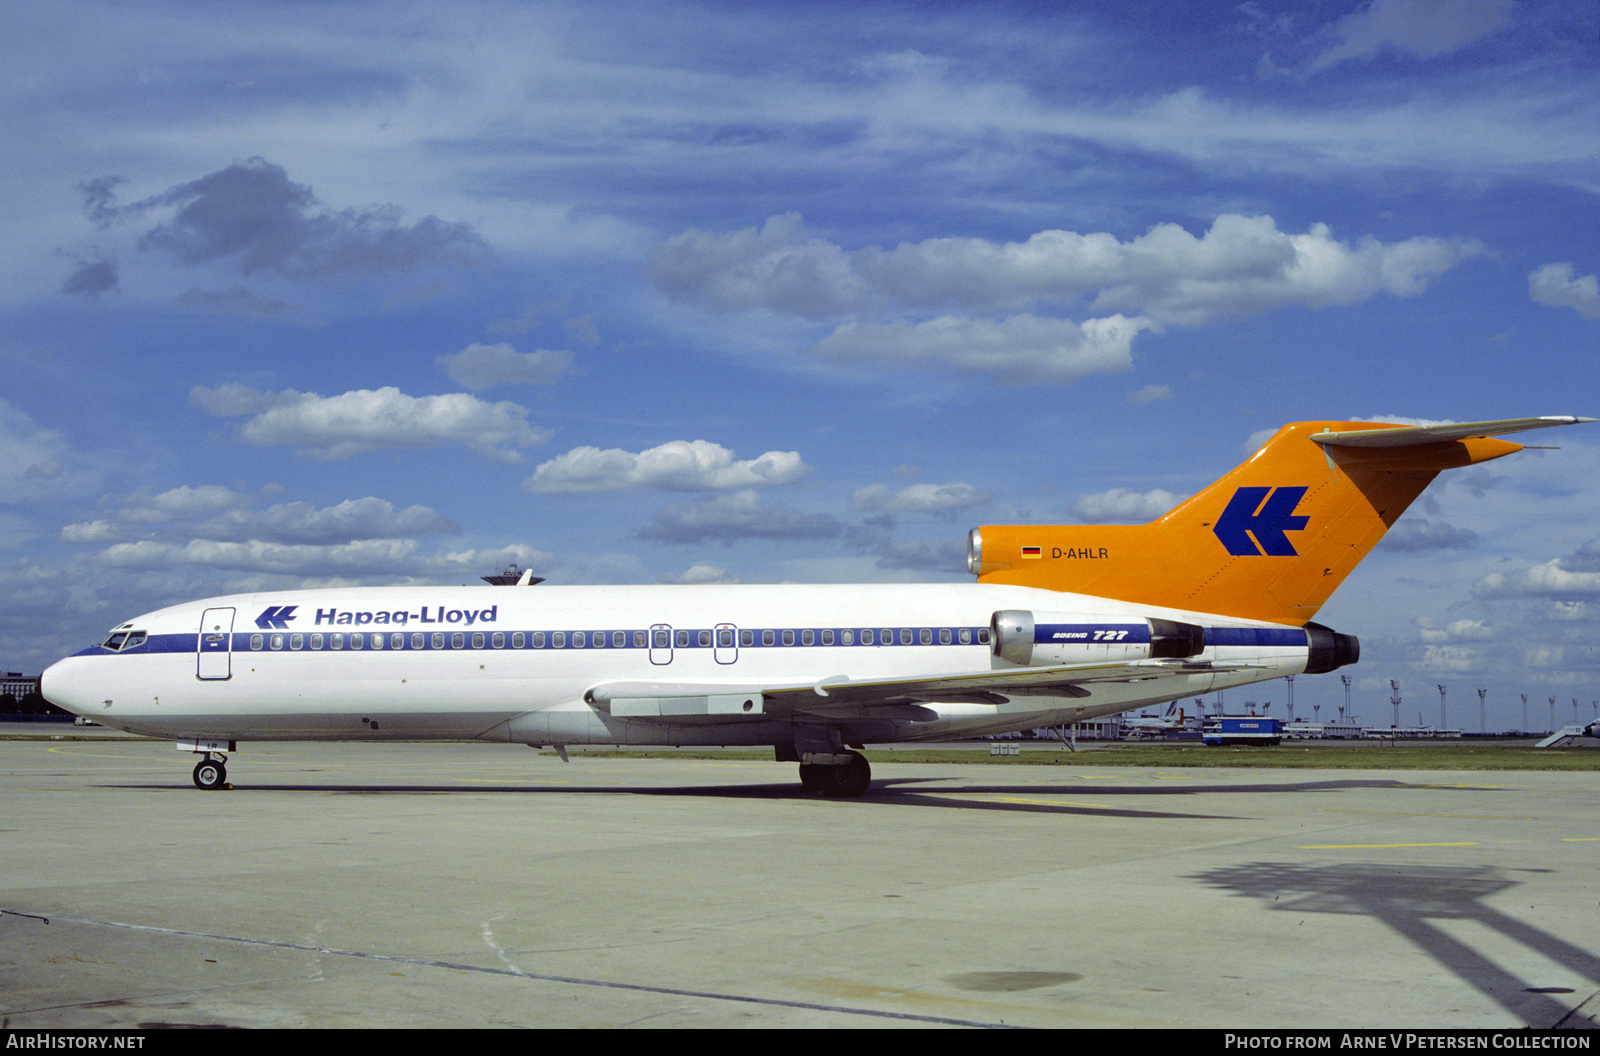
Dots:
pixel 214 659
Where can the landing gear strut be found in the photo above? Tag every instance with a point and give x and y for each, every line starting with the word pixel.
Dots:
pixel 210 774
pixel 846 775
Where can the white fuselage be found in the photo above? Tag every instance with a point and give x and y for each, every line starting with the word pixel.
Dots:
pixel 515 664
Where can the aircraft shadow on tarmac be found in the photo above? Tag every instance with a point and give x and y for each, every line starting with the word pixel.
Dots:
pixel 1412 900
pixel 898 791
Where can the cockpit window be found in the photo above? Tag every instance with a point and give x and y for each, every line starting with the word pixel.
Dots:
pixel 122 641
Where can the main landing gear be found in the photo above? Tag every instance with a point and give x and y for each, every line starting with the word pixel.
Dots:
pixel 210 773
pixel 843 774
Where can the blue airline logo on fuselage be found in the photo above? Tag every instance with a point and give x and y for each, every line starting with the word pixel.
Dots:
pixel 1261 515
pixel 276 617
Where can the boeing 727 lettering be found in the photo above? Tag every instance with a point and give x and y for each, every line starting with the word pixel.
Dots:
pixel 1064 623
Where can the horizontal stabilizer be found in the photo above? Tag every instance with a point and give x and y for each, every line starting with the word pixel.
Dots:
pixel 1415 435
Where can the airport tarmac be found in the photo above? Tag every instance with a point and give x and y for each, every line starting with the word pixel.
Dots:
pixel 446 885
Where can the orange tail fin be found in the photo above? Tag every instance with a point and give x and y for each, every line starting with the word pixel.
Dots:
pixel 1269 541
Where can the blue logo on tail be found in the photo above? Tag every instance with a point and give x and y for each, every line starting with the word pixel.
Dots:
pixel 1264 513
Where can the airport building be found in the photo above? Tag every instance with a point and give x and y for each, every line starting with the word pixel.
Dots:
pixel 17 685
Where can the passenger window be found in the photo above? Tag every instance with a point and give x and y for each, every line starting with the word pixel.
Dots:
pixel 477 639
pixel 416 640
pixel 866 636
pixel 682 639
pixel 397 640
pixel 944 636
pixel 788 637
pixel 704 638
pixel 619 639
pixel 966 636
pixel 538 639
pixel 517 640
pixel 660 639
pixel 925 636
pixel 747 637
pixel 847 637
pixel 558 640
pixel 499 640
pixel 357 640
pixel 256 640
pixel 983 636
pixel 579 640
pixel 335 641
pixel 905 636
pixel 316 641
pixel 275 642
pixel 767 638
pixel 638 639
pixel 598 639
pixel 296 641
pixel 808 637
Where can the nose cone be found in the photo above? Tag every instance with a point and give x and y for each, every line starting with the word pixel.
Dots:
pixel 63 685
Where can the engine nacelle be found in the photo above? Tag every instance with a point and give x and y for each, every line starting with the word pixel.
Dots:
pixel 1328 650
pixel 1043 638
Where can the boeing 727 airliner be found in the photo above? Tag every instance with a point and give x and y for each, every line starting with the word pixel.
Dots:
pixel 1063 624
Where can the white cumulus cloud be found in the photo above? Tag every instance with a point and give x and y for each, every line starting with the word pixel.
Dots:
pixel 1021 350
pixel 1554 285
pixel 679 465
pixel 481 366
pixel 365 420
pixel 1121 506
pixel 1241 265
pixel 917 498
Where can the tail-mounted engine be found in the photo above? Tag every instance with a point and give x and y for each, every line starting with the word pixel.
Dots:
pixel 1328 650
pixel 1042 638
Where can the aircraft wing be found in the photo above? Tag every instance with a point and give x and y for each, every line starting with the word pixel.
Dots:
pixel 838 695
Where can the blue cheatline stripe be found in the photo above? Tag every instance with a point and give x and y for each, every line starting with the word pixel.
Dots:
pixel 1255 636
pixel 261 641
pixel 882 637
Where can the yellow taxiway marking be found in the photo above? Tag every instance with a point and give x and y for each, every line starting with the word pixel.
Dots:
pixel 1365 846
pixel 1423 814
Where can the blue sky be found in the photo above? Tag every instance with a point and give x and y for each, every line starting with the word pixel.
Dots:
pixel 307 293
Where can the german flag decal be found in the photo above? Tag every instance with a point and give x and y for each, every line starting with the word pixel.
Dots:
pixel 1035 552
